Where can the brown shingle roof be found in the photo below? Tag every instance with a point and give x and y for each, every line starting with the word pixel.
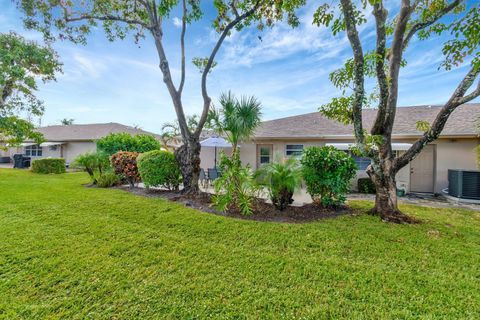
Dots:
pixel 462 122
pixel 79 132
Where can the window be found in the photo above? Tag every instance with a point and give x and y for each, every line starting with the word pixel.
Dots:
pixel 33 151
pixel 294 150
pixel 362 163
pixel 264 155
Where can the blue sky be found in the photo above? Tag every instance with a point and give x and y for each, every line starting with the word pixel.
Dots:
pixel 288 71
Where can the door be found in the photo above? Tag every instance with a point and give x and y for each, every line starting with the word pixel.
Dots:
pixel 422 170
pixel 264 154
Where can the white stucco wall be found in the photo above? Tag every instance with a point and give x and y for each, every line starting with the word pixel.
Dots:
pixel 450 154
pixel 73 149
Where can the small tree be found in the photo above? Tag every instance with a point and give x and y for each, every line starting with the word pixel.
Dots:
pixel 74 22
pixel 93 163
pixel 281 179
pixel 394 34
pixel 327 173
pixel 67 122
pixel 22 62
pixel 237 119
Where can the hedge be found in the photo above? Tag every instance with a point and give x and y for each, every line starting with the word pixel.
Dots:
pixel 49 165
pixel 159 169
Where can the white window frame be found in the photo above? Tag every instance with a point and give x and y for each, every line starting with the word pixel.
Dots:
pixel 292 151
pixel 34 150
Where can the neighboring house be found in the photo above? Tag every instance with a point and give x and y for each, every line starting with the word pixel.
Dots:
pixel 455 149
pixel 68 141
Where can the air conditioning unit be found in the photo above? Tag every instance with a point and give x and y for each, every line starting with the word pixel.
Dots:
pixel 464 184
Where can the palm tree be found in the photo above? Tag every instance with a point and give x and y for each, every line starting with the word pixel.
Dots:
pixel 237 119
pixel 171 131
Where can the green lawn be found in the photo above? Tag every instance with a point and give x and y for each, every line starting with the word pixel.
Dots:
pixel 67 251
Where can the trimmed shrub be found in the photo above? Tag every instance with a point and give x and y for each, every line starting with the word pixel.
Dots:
pixel 281 179
pixel 94 163
pixel 366 185
pixel 124 164
pixel 115 142
pixel 159 168
pixel 49 165
pixel 327 173
pixel 107 179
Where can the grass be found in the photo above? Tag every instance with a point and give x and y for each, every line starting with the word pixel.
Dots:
pixel 67 251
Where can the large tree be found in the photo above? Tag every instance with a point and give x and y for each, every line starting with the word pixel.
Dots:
pixel 22 62
pixel 454 21
pixel 74 21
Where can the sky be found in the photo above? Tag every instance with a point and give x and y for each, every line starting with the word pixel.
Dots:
pixel 287 70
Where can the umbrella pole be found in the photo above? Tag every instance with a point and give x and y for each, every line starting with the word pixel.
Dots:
pixel 215 164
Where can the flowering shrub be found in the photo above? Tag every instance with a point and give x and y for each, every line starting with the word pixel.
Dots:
pixel 124 164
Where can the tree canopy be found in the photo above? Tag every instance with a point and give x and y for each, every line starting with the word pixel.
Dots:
pixel 454 20
pixel 22 63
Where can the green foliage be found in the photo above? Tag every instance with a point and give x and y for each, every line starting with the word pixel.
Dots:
pixel 171 133
pixel 14 131
pixel 281 179
pixel 22 63
pixel 106 179
pixel 237 119
pixel 201 64
pixel 366 185
pixel 159 169
pixel 422 125
pixel 115 142
pixel 66 121
pixel 236 188
pixel 124 164
pixel 327 173
pixel 94 163
pixel 49 165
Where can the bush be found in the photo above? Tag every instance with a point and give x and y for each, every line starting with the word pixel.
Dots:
pixel 107 179
pixel 159 169
pixel 327 173
pixel 366 185
pixel 281 179
pixel 49 165
pixel 94 163
pixel 115 142
pixel 124 164
pixel 236 188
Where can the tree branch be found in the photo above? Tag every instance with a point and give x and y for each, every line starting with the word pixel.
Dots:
pixel 206 99
pixel 182 45
pixel 457 98
pixel 423 24
pixel 380 14
pixel 396 54
pixel 107 18
pixel 359 92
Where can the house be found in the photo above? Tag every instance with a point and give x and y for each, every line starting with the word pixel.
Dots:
pixel 454 149
pixel 68 141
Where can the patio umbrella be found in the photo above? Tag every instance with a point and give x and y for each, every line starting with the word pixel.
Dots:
pixel 216 142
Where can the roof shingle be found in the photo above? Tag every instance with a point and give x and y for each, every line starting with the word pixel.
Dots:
pixel 462 122
pixel 82 132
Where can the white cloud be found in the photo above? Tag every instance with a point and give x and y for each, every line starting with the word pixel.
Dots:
pixel 177 22
pixel 88 65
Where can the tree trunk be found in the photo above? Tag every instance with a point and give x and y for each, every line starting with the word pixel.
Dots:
pixel 386 205
pixel 188 158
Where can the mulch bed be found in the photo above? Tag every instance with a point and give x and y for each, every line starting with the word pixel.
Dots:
pixel 263 211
